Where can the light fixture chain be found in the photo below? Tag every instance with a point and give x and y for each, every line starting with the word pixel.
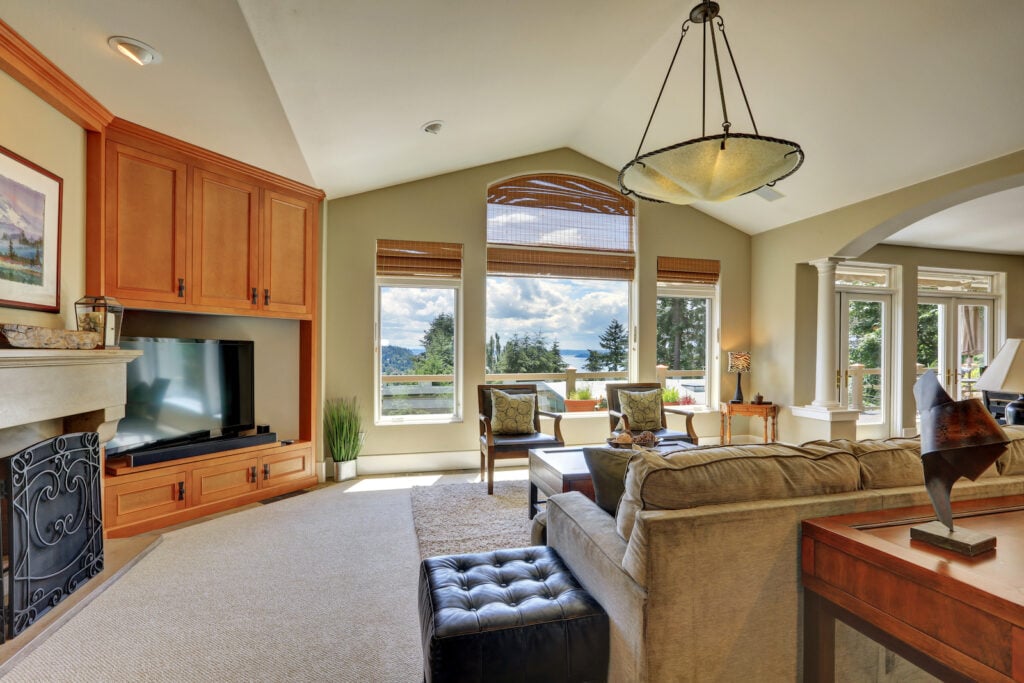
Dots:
pixel 721 88
pixel 750 112
pixel 704 82
pixel 682 35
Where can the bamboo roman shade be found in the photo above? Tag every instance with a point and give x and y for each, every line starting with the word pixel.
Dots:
pixel 557 225
pixel 691 271
pixel 419 259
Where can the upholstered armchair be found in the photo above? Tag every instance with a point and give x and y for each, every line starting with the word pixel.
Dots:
pixel 619 419
pixel 517 427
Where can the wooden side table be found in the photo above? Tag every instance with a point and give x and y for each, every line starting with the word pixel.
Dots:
pixel 769 412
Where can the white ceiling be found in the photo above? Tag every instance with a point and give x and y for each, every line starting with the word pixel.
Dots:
pixel 880 94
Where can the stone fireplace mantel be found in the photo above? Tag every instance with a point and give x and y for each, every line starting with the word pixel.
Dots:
pixel 47 392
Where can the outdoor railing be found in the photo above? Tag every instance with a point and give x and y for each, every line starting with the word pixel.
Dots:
pixel 434 391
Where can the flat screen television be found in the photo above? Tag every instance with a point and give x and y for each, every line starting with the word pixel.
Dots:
pixel 183 391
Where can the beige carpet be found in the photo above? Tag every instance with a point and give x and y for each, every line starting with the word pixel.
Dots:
pixel 461 518
pixel 318 587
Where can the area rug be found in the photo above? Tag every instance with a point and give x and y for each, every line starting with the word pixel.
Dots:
pixel 452 519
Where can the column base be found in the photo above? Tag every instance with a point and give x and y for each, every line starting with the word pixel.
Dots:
pixel 830 423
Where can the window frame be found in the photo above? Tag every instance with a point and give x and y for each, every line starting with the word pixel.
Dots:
pixel 456 285
pixel 712 348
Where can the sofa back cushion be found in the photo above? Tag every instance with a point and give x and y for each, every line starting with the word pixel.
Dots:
pixel 885 463
pixel 732 474
pixel 1012 461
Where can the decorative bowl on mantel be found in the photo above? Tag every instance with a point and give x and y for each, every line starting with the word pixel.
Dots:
pixel 35 337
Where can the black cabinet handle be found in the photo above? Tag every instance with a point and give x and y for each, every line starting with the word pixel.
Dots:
pixel 181 286
pixel 253 296
pixel 252 473
pixel 181 490
pixel 266 471
pixel 266 297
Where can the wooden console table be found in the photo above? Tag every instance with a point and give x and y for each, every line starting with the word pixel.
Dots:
pixel 959 618
pixel 766 411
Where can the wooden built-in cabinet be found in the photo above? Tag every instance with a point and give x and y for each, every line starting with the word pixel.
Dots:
pixel 153 496
pixel 174 227
pixel 184 232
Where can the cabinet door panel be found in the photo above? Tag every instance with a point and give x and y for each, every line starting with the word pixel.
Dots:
pixel 146 236
pixel 225 241
pixel 287 262
pixel 221 480
pixel 287 466
pixel 144 499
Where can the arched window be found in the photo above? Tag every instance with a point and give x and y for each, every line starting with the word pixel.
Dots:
pixel 560 262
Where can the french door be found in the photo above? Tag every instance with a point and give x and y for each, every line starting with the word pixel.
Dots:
pixel 865 359
pixel 955 339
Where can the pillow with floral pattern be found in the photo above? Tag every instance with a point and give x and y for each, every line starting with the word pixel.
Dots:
pixel 642 409
pixel 512 413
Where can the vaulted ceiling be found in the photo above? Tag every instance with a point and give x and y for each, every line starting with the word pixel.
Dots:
pixel 880 94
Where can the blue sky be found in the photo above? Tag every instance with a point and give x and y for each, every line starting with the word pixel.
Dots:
pixel 575 312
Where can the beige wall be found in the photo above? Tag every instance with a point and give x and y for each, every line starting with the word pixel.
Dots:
pixel 34 130
pixel 452 208
pixel 784 294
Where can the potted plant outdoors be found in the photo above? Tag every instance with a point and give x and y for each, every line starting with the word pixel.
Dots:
pixel 342 437
pixel 670 396
pixel 581 400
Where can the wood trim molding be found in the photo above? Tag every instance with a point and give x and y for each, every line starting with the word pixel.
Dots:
pixel 31 68
pixel 133 133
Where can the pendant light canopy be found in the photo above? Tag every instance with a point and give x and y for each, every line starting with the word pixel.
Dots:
pixel 712 167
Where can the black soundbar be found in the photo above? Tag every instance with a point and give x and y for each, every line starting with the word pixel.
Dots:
pixel 204 447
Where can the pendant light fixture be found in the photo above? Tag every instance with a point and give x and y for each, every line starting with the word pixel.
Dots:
pixel 712 167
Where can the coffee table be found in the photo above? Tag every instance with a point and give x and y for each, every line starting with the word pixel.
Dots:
pixel 560 470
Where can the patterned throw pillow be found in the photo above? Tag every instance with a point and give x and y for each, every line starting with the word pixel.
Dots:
pixel 511 413
pixel 642 409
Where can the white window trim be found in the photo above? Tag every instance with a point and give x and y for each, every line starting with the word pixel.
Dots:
pixel 712 342
pixel 418 283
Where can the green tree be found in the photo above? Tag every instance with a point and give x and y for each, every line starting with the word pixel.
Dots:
pixel 438 357
pixel 682 333
pixel 615 342
pixel 595 361
pixel 928 335
pixel 528 353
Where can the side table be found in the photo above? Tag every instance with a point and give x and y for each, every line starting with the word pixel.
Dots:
pixel 769 412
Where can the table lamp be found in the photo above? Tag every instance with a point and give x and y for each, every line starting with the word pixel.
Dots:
pixel 958 439
pixel 739 362
pixel 1006 374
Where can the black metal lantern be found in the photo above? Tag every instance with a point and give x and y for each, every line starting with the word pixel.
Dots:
pixel 101 314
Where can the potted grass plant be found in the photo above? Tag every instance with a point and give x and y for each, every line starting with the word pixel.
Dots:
pixel 580 400
pixel 342 435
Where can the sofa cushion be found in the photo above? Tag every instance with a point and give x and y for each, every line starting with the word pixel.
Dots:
pixel 512 413
pixel 1012 461
pixel 732 474
pixel 885 463
pixel 642 409
pixel 608 471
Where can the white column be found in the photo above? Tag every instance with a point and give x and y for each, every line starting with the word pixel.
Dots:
pixel 826 366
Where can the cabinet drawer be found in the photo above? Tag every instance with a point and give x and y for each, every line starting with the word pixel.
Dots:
pixel 286 466
pixel 146 498
pixel 223 480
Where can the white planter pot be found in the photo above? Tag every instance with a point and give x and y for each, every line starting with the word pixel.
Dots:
pixel 344 470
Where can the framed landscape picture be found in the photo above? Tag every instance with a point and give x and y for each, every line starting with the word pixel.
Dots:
pixel 30 208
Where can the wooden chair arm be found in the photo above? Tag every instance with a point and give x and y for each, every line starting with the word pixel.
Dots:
pixel 558 422
pixel 616 416
pixel 485 429
pixel 689 419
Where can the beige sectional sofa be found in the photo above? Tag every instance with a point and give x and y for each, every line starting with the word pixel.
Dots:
pixel 699 570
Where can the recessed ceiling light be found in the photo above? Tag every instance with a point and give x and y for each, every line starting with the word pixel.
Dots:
pixel 432 127
pixel 135 50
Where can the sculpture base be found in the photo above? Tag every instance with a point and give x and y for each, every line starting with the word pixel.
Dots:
pixel 963 541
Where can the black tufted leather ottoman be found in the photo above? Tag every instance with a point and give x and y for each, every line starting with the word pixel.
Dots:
pixel 509 616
